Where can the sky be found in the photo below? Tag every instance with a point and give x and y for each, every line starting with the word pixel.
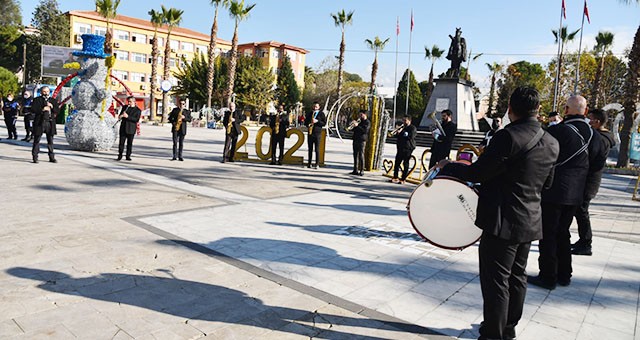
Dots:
pixel 504 31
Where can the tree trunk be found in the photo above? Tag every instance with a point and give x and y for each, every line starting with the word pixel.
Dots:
pixel 212 55
pixel 153 86
pixel 340 65
pixel 232 64
pixel 108 38
pixel 596 83
pixel 631 96
pixel 167 65
pixel 374 72
pixel 430 87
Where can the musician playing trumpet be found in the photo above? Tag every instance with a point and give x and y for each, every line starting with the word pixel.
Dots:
pixel 360 129
pixel 405 144
pixel 279 124
pixel 443 139
pixel 179 117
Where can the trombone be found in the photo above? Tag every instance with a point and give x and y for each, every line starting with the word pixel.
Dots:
pixel 353 124
pixel 396 131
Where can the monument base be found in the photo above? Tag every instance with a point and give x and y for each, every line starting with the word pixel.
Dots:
pixel 456 95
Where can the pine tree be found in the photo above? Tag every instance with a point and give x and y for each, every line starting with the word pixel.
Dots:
pixel 288 93
pixel 416 101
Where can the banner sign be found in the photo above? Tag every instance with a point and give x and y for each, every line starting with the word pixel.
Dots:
pixel 634 150
pixel 53 57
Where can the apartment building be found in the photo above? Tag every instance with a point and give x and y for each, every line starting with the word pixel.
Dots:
pixel 272 54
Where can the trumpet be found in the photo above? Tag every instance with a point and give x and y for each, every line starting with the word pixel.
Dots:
pixel 432 116
pixel 396 131
pixel 353 124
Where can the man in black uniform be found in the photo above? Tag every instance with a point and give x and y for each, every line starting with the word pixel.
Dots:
pixel 315 121
pixel 10 110
pixel 405 144
pixel 360 137
pixel 597 119
pixel 279 124
pixel 581 152
pixel 129 117
pixel 512 170
pixel 45 110
pixel 28 116
pixel 231 124
pixel 441 146
pixel 179 117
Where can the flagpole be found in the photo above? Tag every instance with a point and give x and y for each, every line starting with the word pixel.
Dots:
pixel 406 108
pixel 395 75
pixel 575 86
pixel 555 91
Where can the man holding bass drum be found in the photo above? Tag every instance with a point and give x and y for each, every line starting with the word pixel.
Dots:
pixel 512 172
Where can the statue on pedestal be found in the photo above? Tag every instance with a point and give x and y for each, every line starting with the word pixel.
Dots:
pixel 457 54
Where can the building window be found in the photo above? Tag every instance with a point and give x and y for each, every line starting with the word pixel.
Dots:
pixel 81 28
pixel 292 55
pixel 173 62
pixel 121 35
pixel 201 49
pixel 138 57
pixel 173 44
pixel 139 38
pixel 122 55
pixel 100 31
pixel 138 77
pixel 275 54
pixel 187 47
pixel 248 52
pixel 122 75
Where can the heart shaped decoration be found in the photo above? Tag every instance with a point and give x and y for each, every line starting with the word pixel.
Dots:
pixel 387 166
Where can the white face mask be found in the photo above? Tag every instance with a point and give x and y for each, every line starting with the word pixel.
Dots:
pixel 555 122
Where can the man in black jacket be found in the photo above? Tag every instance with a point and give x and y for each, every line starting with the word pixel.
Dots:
pixel 45 110
pixel 10 110
pixel 441 146
pixel 597 119
pixel 179 119
pixel 513 170
pixel 405 144
pixel 231 124
pixel 580 154
pixel 279 124
pixel 360 136
pixel 315 121
pixel 129 117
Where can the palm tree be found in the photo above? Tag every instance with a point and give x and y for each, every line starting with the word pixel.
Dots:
pixel 375 45
pixel 341 19
pixel 434 54
pixel 631 89
pixel 212 47
pixel 108 10
pixel 172 18
pixel 563 38
pixel 494 68
pixel 604 40
pixel 156 21
pixel 238 12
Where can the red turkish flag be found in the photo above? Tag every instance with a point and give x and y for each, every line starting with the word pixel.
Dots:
pixel 564 10
pixel 586 11
pixel 412 20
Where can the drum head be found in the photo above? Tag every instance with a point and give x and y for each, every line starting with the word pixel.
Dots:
pixel 444 213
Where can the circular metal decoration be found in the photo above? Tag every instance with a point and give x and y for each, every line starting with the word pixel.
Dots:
pixel 165 86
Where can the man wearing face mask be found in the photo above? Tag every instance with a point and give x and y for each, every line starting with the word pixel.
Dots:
pixel 10 110
pixel 442 140
pixel 45 110
pixel 554 118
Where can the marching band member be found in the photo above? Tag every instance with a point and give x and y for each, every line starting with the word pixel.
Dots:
pixel 279 124
pixel 315 121
pixel 231 121
pixel 179 117
pixel 442 142
pixel 405 144
pixel 129 117
pixel 360 129
pixel 45 110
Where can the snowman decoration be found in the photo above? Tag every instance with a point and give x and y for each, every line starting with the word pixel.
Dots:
pixel 90 127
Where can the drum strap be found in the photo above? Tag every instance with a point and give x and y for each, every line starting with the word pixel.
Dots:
pixel 532 143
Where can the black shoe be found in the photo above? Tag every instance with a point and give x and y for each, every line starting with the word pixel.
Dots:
pixel 181 159
pixel 316 166
pixel 537 281
pixel 353 173
pixel 53 160
pixel 173 159
pixel 279 162
pixel 582 250
pixel 272 163
pixel 564 283
pixel 231 161
pixel 35 161
pixel 24 139
pixel 360 173
pixel 128 158
pixel 309 165
pixel 119 158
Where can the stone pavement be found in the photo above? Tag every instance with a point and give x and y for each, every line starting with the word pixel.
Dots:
pixel 153 249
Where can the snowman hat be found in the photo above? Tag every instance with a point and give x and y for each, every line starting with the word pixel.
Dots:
pixel 92 46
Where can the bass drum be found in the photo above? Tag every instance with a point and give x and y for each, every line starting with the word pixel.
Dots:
pixel 443 211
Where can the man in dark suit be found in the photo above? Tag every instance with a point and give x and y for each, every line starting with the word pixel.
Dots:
pixel 231 123
pixel 441 146
pixel 581 153
pixel 179 117
pixel 45 110
pixel 129 117
pixel 360 137
pixel 279 124
pixel 315 121
pixel 405 144
pixel 513 170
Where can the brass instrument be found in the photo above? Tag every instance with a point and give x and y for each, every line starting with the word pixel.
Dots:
pixel 277 117
pixel 230 123
pixel 179 121
pixel 432 116
pixel 353 124
pixel 396 131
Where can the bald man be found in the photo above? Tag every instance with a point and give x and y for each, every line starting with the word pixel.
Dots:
pixel 581 153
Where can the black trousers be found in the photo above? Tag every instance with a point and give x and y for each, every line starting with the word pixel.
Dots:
pixel 37 134
pixel 313 141
pixel 503 281
pixel 230 143
pixel 555 247
pixel 358 155
pixel 28 121
pixel 402 156
pixel 11 127
pixel 277 143
pixel 178 143
pixel 129 139
pixel 437 154
pixel 584 223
